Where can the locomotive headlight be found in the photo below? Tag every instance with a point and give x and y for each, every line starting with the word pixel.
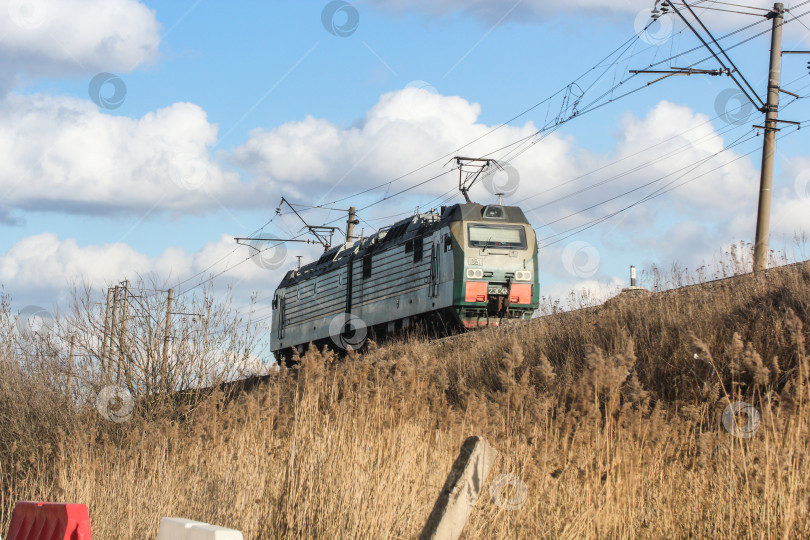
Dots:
pixel 475 273
pixel 523 275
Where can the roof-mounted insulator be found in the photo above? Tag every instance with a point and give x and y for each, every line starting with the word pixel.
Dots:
pixel 656 13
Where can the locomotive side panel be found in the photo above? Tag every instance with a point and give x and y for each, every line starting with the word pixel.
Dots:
pixel 405 281
pixel 396 282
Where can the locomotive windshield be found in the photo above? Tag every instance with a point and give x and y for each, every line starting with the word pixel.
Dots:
pixel 497 236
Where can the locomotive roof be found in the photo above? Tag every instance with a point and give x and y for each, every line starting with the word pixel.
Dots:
pixel 399 232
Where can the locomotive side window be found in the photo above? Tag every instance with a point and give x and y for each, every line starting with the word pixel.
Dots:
pixel 367 267
pixel 448 243
pixel 496 236
pixel 409 246
pixel 417 249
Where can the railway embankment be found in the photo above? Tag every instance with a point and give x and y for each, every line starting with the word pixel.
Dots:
pixel 671 414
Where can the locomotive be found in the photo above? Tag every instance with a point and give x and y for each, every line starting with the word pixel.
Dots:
pixel 466 266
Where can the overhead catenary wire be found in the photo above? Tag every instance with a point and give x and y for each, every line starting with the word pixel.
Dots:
pixel 595 103
pixel 563 235
pixel 490 131
pixel 736 5
pixel 733 10
pixel 563 90
pixel 689 145
pixel 591 106
pixel 691 167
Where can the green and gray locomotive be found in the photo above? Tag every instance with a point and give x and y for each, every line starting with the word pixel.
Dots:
pixel 469 266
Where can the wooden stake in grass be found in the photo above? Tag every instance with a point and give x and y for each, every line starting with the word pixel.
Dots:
pixel 460 491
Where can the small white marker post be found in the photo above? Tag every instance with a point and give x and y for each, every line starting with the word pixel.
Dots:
pixel 460 491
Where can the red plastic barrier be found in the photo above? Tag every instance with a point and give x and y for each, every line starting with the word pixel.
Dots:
pixel 49 521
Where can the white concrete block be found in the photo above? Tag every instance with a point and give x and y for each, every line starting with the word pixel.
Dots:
pixel 212 532
pixel 174 528
pixel 187 529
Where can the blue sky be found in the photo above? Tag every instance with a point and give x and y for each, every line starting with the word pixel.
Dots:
pixel 230 106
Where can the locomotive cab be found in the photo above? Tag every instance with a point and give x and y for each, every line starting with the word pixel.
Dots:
pixel 497 267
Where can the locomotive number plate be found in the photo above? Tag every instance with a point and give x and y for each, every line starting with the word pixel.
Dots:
pixel 474 261
pixel 497 289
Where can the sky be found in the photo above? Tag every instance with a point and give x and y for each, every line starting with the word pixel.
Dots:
pixel 139 138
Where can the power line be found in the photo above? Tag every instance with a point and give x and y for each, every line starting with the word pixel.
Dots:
pixel 591 106
pixel 576 230
pixel 588 108
pixel 632 170
pixel 177 285
pixel 489 132
pixel 691 166
pixel 737 5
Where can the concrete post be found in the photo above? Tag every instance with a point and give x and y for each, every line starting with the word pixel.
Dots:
pixel 769 143
pixel 105 342
pixel 164 361
pixel 461 490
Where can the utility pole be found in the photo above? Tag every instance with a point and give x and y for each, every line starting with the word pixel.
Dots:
pixel 113 325
pixel 770 107
pixel 769 142
pixel 164 369
pixel 70 364
pixel 105 341
pixel 122 357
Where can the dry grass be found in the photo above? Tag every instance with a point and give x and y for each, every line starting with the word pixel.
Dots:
pixel 611 416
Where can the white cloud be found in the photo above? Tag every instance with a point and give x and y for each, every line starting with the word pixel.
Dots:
pixel 792 198
pixel 42 267
pixel 58 37
pixel 403 130
pixel 43 260
pixel 655 153
pixel 62 154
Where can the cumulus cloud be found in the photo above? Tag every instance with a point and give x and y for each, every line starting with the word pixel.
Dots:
pixel 671 160
pixel 62 154
pixel 61 37
pixel 43 267
pixel 314 159
pixel 792 201
pixel 404 129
